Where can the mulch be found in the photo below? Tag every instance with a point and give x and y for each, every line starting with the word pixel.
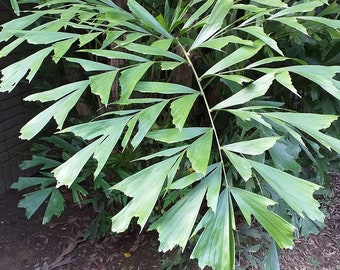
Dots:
pixel 60 245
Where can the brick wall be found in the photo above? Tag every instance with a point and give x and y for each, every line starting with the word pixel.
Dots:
pixel 12 118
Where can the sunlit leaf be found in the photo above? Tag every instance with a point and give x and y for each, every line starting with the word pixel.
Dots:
pixel 147 18
pixel 89 65
pixel 214 22
pixel 15 72
pixel 311 124
pixel 256 205
pixel 165 153
pixel 296 192
pixel 180 109
pixel 235 57
pixel 115 55
pixel 61 47
pixel 150 182
pixel 67 172
pixel 285 80
pixel 292 22
pixel 58 110
pixel 175 230
pixel 148 50
pixel 256 89
pixel 260 34
pixel 198 161
pixel 242 165
pixel 130 77
pixel 200 11
pixel 301 7
pixel 57 93
pixel 173 135
pixel 325 21
pixel 164 88
pixel 321 75
pixel 215 246
pixel 145 121
pixel 252 147
pixel 219 43
pixel 101 85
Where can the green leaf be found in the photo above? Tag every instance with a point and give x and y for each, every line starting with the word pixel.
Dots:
pixel 271 3
pixel 55 206
pixel 311 124
pixel 245 116
pixel 101 85
pixel 33 200
pixel 47 163
pixel 15 7
pixel 67 172
pixel 219 43
pixel 303 7
pixel 43 37
pixel 149 50
pixel 168 65
pixel 252 147
pixel 20 23
pixel 325 21
pixel 92 130
pixel 214 180
pixel 57 93
pixel 26 182
pixel 115 55
pixel 164 88
pixel 180 109
pixel 199 161
pixel 268 61
pixel 271 260
pixel 150 182
pixel 111 37
pixel 86 38
pixel 58 110
pixel 242 165
pixel 256 89
pixel 297 193
pixel 285 80
pixel 214 22
pixel 145 17
pixel 235 57
pixel 196 15
pixel 175 230
pixel 146 119
pixel 292 22
pixel 165 153
pixel 104 150
pixel 236 78
pixel 216 246
pixel 15 72
pixel 130 77
pixel 173 135
pixel 260 34
pixel 253 204
pixel 321 75
pixel 10 47
pixel 186 181
pixel 89 65
pixel 284 155
pixel 61 47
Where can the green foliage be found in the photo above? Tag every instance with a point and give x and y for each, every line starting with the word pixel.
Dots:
pixel 205 91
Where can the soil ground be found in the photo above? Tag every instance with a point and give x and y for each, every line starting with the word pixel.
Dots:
pixel 59 245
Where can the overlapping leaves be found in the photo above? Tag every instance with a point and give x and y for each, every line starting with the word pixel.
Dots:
pixel 148 47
